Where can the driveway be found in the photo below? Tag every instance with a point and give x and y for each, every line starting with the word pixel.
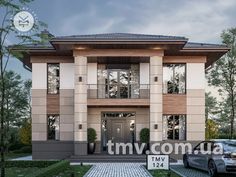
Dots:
pixel 191 172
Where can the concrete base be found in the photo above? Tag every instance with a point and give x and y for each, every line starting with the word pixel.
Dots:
pixel 80 148
pixel 42 150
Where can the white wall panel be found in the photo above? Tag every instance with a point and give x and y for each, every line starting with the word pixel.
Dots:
pixel 67 76
pixel 144 73
pixel 39 76
pixel 92 73
pixel 195 76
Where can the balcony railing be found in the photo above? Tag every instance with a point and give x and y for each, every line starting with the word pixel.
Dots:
pixel 118 91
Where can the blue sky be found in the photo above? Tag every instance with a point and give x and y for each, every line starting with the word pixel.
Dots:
pixel 198 20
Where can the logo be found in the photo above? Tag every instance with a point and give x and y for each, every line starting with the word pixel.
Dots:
pixel 24 21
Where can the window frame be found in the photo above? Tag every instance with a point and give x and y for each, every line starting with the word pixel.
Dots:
pixel 185 133
pixel 48 127
pixel 185 84
pixel 58 92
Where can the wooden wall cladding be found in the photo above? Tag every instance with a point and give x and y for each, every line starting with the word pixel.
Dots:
pixel 53 104
pixel 174 104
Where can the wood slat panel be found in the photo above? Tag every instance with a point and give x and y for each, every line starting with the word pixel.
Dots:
pixel 118 52
pixel 53 104
pixel 118 102
pixel 174 104
pixel 52 59
pixel 184 59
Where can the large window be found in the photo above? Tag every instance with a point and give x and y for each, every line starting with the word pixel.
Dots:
pixel 118 81
pixel 53 127
pixel 174 79
pixel 174 127
pixel 53 78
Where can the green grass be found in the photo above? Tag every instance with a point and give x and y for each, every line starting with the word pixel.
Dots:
pixel 12 155
pixel 19 172
pixel 163 173
pixel 79 171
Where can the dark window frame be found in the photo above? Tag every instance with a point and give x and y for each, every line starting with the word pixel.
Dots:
pixel 58 91
pixel 185 75
pixel 185 133
pixel 49 139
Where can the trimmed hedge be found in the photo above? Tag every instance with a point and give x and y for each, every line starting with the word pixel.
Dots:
pixel 26 164
pixel 51 170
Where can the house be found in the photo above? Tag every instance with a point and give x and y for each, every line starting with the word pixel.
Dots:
pixel 118 84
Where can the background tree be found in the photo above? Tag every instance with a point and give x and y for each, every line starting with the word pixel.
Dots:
pixel 7 30
pixel 223 76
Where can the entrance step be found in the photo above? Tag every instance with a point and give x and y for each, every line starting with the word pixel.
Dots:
pixel 94 158
pixel 108 158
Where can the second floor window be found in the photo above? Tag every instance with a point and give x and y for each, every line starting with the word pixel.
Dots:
pixel 174 79
pixel 53 78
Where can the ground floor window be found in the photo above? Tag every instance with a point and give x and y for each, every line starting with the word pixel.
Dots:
pixel 53 127
pixel 174 127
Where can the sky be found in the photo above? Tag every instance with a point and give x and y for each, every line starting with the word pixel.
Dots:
pixel 198 20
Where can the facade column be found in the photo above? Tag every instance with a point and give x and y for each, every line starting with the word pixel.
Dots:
pixel 80 103
pixel 156 75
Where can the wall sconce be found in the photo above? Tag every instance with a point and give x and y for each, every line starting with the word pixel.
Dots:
pixel 155 126
pixel 80 79
pixel 80 126
pixel 155 79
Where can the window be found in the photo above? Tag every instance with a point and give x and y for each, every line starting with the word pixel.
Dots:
pixel 174 127
pixel 174 79
pixel 53 127
pixel 53 78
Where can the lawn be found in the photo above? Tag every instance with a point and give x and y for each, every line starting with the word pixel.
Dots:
pixel 78 171
pixel 163 173
pixel 12 155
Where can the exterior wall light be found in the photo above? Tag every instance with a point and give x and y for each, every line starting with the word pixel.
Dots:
pixel 80 126
pixel 155 79
pixel 155 126
pixel 80 79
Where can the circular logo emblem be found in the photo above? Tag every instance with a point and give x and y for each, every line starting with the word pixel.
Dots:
pixel 23 21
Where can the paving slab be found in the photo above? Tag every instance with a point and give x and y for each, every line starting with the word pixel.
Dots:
pixel 118 170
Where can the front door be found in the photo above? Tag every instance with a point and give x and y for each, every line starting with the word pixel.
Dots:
pixel 118 131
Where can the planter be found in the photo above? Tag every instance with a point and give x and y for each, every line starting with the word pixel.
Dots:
pixel 91 148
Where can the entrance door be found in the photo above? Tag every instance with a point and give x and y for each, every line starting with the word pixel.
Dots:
pixel 118 131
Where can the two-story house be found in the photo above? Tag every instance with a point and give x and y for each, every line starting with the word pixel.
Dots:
pixel 117 83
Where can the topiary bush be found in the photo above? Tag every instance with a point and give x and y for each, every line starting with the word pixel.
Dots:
pixel 144 135
pixel 92 135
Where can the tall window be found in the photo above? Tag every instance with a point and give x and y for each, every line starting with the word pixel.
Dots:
pixel 174 78
pixel 53 127
pixel 53 78
pixel 174 127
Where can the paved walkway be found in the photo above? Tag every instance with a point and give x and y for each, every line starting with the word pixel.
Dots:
pixel 24 158
pixel 118 170
pixel 188 172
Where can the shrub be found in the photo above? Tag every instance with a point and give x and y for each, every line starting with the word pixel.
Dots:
pixel 92 135
pixel 144 135
pixel 24 149
pixel 27 164
pixel 51 170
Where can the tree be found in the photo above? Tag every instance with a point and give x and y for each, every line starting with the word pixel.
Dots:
pixel 7 29
pixel 25 133
pixel 212 129
pixel 211 107
pixel 223 75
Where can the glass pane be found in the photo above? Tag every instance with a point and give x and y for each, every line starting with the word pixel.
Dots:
pixel 124 81
pixel 53 78
pixel 182 127
pixel 53 127
pixel 170 133
pixel 134 81
pixel 102 81
pixel 174 78
pixel 113 84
